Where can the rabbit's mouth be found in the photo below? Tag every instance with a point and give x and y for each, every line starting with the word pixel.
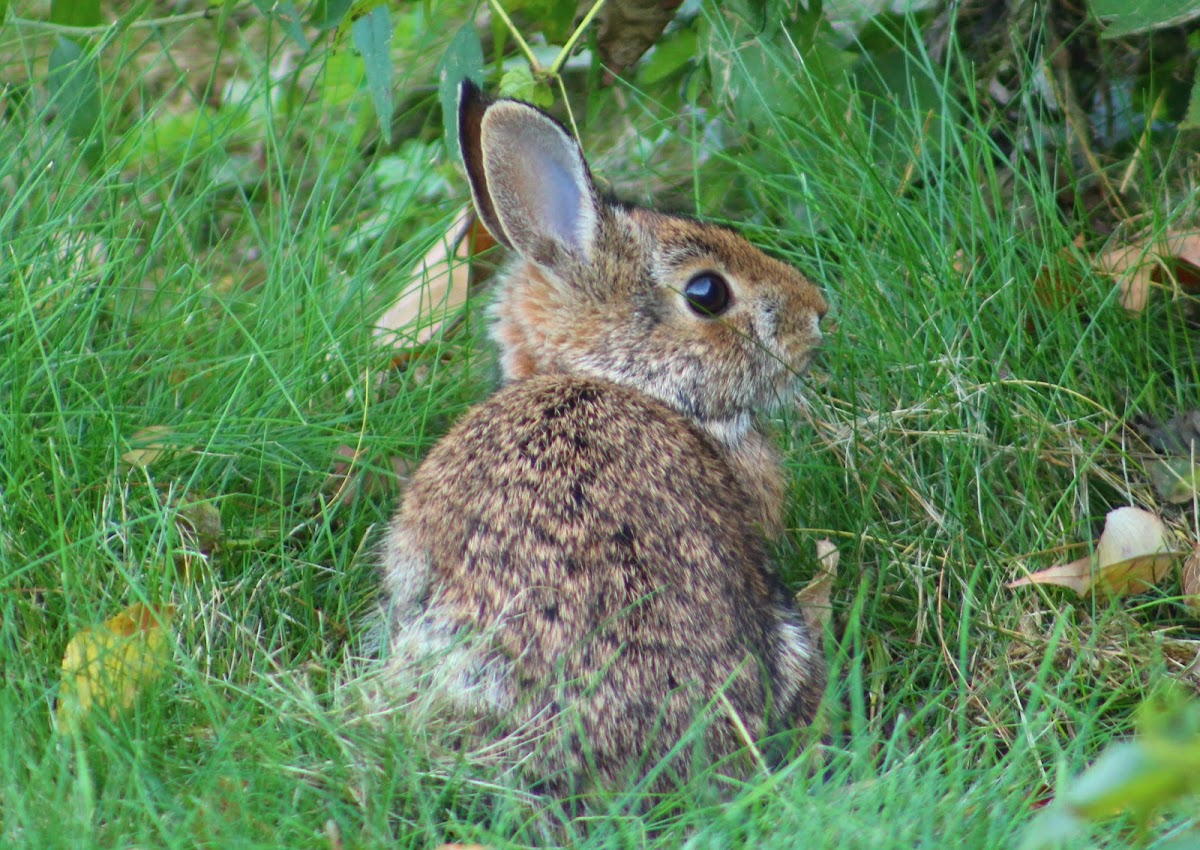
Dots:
pixel 803 363
pixel 789 379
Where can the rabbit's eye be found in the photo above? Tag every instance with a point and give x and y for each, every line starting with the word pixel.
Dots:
pixel 707 294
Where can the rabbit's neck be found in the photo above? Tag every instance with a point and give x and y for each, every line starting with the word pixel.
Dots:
pixel 522 312
pixel 756 464
pixel 758 468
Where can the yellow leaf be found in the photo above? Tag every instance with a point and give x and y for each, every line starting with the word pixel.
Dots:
pixel 147 445
pixel 813 598
pixel 1134 552
pixel 108 666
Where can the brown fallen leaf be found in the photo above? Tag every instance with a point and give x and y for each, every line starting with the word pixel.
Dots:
pixel 1140 266
pixel 1191 579
pixel 813 598
pixel 438 289
pixel 199 523
pixel 349 479
pixel 109 665
pixel 1179 435
pixel 1176 477
pixel 1059 283
pixel 1134 552
pixel 201 533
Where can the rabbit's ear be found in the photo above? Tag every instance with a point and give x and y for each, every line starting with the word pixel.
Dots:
pixel 531 184
pixel 471 105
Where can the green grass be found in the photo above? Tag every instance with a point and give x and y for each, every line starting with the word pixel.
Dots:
pixel 959 432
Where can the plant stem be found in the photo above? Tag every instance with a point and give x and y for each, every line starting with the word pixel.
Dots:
pixel 499 10
pixel 565 53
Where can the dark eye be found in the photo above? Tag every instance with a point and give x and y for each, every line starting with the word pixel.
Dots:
pixel 707 294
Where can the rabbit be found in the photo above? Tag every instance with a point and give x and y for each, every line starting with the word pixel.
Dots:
pixel 584 554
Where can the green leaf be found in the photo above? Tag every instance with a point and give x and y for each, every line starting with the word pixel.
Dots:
pixel 553 17
pixel 519 83
pixel 328 14
pixel 285 12
pixel 74 83
pixel 74 13
pixel 1158 769
pixel 1126 17
pixel 1126 777
pixel 170 139
pixel 1052 828
pixel 341 79
pixel 462 60
pixel 373 37
pixel 3 11
pixel 670 56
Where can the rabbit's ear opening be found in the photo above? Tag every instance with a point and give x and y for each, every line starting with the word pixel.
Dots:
pixel 471 106
pixel 538 183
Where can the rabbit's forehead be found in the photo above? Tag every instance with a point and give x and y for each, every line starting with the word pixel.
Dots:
pixel 685 247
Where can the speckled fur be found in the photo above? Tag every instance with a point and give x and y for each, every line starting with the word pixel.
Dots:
pixel 589 545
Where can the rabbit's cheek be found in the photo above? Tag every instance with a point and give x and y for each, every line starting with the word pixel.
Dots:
pixel 766 322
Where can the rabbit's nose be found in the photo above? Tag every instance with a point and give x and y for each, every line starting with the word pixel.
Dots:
pixel 822 308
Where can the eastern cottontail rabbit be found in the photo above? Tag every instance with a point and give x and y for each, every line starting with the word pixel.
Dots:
pixel 586 548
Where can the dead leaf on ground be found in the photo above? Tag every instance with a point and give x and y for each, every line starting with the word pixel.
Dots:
pixel 147 445
pixel 1140 266
pixel 1191 579
pixel 200 525
pixel 1177 476
pixel 108 666
pixel 1179 435
pixel 1177 480
pixel 201 534
pixel 333 834
pixel 438 289
pixel 1059 284
pixel 1134 552
pixel 813 598
pixel 350 478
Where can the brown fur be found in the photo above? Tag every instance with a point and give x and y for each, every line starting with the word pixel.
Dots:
pixel 585 552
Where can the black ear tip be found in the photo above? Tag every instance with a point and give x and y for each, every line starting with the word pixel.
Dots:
pixel 468 92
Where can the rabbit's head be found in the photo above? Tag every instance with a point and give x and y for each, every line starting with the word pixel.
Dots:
pixel 687 312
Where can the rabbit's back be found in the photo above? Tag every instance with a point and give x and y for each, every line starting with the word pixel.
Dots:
pixel 601 543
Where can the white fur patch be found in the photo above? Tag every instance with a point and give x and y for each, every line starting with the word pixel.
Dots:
pixel 795 656
pixel 427 652
pixel 729 432
pixel 405 569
